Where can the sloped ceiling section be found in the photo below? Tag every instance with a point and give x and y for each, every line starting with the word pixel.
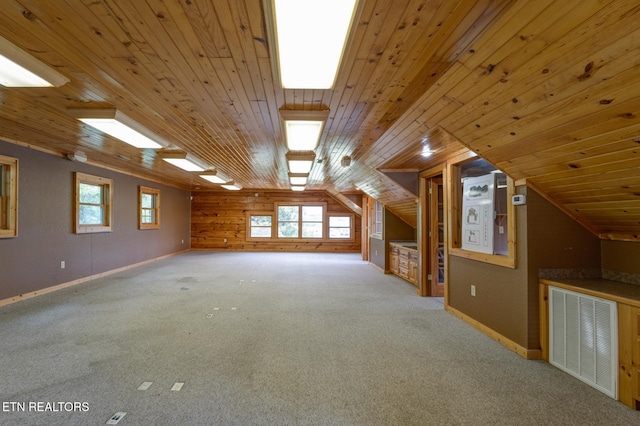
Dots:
pixel 547 91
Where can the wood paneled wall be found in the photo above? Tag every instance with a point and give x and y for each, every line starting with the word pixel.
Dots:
pixel 216 215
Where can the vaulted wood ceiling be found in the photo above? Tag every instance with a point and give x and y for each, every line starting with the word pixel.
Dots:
pixel 548 91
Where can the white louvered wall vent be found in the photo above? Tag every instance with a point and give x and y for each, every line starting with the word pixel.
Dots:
pixel 583 338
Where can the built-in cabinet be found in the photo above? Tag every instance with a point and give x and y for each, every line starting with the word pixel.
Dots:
pixel 403 260
pixel 627 298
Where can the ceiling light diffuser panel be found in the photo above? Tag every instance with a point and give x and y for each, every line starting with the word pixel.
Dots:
pixel 231 186
pixel 302 129
pixel 114 123
pixel 308 56
pixel 300 163
pixel 20 69
pixel 182 160
pixel 213 177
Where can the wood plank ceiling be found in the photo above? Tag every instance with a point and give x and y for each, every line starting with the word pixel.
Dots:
pixel 548 91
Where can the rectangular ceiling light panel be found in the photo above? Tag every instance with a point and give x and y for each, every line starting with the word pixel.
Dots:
pixel 116 124
pixel 182 160
pixel 20 69
pixel 303 135
pixel 309 58
pixel 300 163
pixel 302 129
pixel 298 178
pixel 213 177
pixel 232 186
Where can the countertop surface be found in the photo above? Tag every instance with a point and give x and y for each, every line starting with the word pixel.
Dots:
pixel 606 289
pixel 405 244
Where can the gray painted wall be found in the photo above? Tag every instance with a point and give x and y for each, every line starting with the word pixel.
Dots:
pixel 31 261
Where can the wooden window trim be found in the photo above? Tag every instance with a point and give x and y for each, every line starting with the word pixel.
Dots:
pixel 9 201
pixel 373 219
pixel 261 239
pixel 325 222
pixel 93 180
pixel 454 201
pixel 156 194
pixel 351 229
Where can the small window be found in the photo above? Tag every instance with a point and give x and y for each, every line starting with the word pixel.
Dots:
pixel 260 226
pixel 375 219
pixel 149 212
pixel 93 205
pixel 8 197
pixel 340 227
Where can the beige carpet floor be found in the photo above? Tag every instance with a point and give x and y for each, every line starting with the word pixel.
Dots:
pixel 270 339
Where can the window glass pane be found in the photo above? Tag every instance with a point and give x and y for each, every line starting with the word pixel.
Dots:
pixel 340 233
pixel 287 213
pixel 148 216
pixel 260 220
pixel 261 232
pixel 339 221
pixel 90 194
pixel 91 215
pixel 148 201
pixel 312 213
pixel 288 229
pixel 311 230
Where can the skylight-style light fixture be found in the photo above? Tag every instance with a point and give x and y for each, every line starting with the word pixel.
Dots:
pixel 20 69
pixel 300 162
pixel 182 160
pixel 309 58
pixel 232 186
pixel 298 188
pixel 298 178
pixel 114 123
pixel 302 129
pixel 212 176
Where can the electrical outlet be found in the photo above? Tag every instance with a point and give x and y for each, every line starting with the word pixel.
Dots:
pixel 182 242
pixel 225 240
pixel 62 264
pixel 473 290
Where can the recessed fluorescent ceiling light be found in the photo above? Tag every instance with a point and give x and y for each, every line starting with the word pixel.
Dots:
pixel 298 180
pixel 116 124
pixel 297 188
pixel 303 135
pixel 20 69
pixel 212 177
pixel 302 129
pixel 232 186
pixel 300 163
pixel 308 57
pixel 181 160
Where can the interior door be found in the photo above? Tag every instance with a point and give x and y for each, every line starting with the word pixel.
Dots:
pixel 436 256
